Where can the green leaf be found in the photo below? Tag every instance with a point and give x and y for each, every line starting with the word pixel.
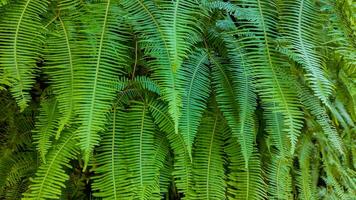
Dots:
pixel 46 125
pixel 96 74
pixel 20 40
pixel 194 78
pixel 209 176
pixel 50 176
pixel 182 171
pixel 243 182
pixel 111 174
pixel 299 21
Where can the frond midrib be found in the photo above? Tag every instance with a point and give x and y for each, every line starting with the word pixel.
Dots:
pixel 209 156
pixel 39 195
pixel 19 79
pixel 189 94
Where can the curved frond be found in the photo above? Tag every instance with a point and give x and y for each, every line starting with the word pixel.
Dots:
pixel 194 78
pixel 96 75
pixel 209 172
pixel 270 69
pixel 46 125
pixel 279 178
pixel 244 86
pixel 148 20
pixel 304 178
pixel 179 23
pixel 50 176
pixel 20 40
pixel 182 171
pixel 313 105
pixel 298 24
pixel 111 173
pixel 61 64
pixel 139 148
pixel 243 182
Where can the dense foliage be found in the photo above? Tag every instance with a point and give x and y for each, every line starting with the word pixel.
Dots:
pixel 177 99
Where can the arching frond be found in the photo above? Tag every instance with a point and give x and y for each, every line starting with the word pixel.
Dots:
pixel 46 125
pixel 209 176
pixel 279 178
pixel 313 105
pixel 111 174
pixel 243 182
pixel 148 20
pixel 182 171
pixel 97 73
pixel 139 148
pixel 179 22
pixel 20 40
pixel 226 97
pixel 299 26
pixel 15 168
pixel 50 176
pixel 304 180
pixel 61 63
pixel 274 127
pixel 270 68
pixel 244 86
pixel 194 78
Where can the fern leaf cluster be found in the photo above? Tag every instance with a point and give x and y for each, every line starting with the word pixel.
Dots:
pixel 173 99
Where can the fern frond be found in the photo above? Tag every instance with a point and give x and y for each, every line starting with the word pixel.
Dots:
pixel 50 177
pixel 209 176
pixel 97 73
pixel 279 178
pixel 243 182
pixel 46 125
pixel 274 127
pixel 147 20
pixel 226 96
pixel 139 148
pixel 146 83
pixel 182 171
pixel 194 78
pixel 244 86
pixel 270 69
pixel 241 13
pixel 20 39
pixel 179 23
pixel 111 173
pixel 61 64
pixel 322 118
pixel 298 25
pixel 23 167
pixel 304 179
pixel 160 156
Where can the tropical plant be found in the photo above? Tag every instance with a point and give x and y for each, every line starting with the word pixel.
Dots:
pixel 173 99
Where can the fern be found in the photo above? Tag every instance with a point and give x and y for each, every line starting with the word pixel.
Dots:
pixel 298 26
pixel 111 173
pixel 139 148
pixel 21 29
pixel 313 105
pixel 243 182
pixel 304 179
pixel 148 25
pixel 163 99
pixel 195 96
pixel 95 90
pixel 50 176
pixel 176 16
pixel 46 126
pixel 208 164
pixel 182 166
pixel 62 60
